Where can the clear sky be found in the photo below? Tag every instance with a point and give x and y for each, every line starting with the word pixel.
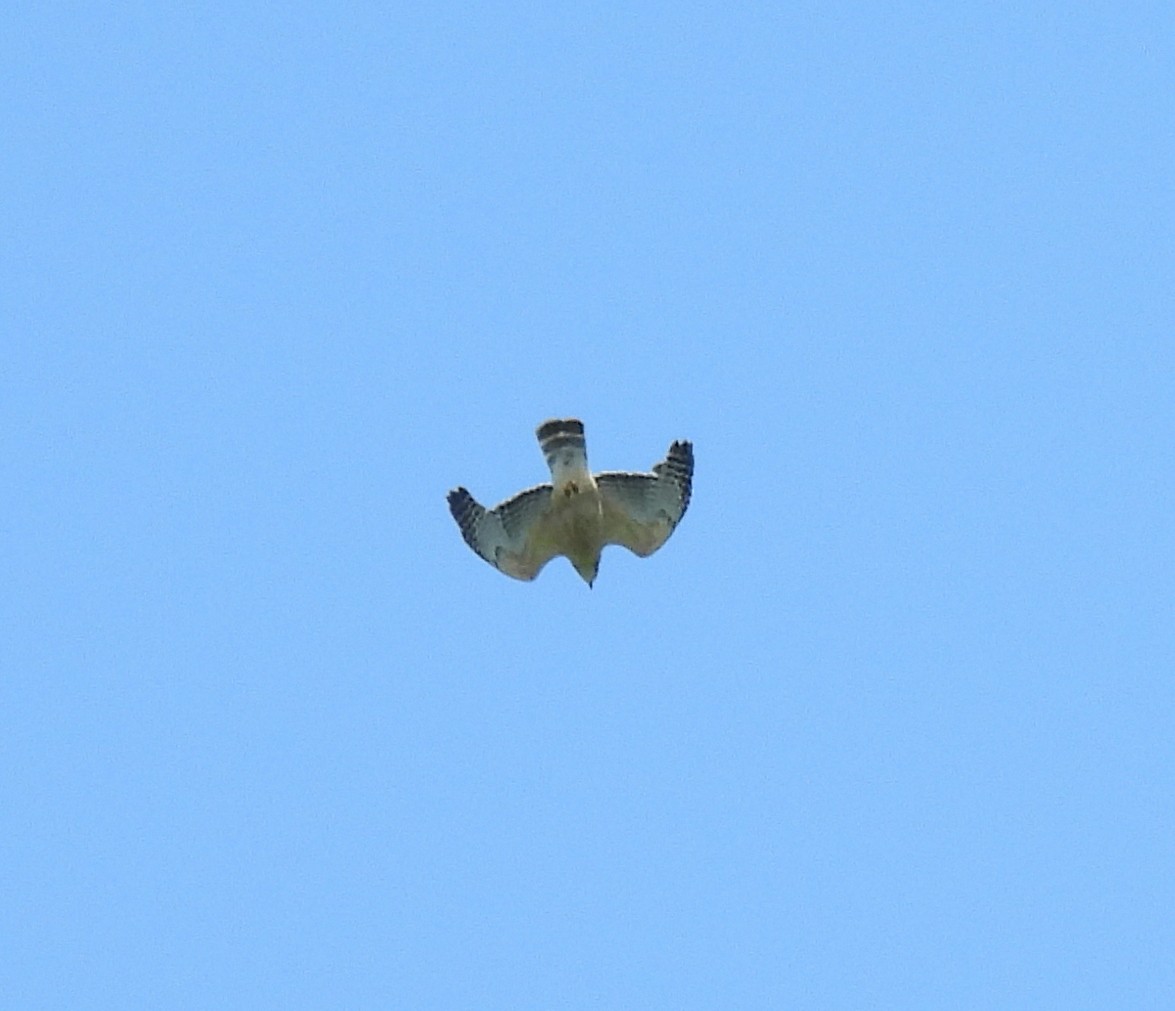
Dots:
pixel 889 722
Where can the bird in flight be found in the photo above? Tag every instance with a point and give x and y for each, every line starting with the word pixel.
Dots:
pixel 578 513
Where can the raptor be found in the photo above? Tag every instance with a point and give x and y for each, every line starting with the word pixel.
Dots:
pixel 578 513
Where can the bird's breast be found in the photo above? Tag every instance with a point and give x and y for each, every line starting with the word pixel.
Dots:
pixel 581 520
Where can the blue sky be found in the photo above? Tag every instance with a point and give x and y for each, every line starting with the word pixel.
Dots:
pixel 888 722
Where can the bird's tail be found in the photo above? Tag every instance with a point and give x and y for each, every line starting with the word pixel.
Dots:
pixel 563 444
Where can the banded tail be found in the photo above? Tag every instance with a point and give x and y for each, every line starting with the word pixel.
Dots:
pixel 563 444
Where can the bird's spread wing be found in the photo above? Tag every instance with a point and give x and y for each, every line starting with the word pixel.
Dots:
pixel 513 536
pixel 642 510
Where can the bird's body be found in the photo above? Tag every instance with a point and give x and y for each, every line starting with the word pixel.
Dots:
pixel 578 514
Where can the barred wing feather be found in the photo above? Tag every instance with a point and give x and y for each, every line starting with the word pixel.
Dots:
pixel 642 510
pixel 512 536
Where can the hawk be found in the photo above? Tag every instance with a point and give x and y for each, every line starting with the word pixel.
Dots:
pixel 578 513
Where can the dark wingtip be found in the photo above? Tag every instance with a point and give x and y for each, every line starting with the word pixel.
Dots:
pixel 680 463
pixel 461 505
pixel 465 511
